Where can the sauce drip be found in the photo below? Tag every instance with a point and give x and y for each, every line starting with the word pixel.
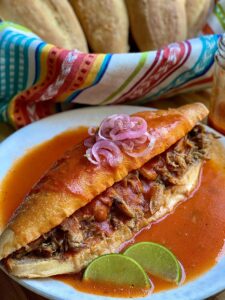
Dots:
pixel 195 231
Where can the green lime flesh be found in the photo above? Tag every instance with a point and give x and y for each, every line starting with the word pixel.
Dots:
pixel 156 260
pixel 117 269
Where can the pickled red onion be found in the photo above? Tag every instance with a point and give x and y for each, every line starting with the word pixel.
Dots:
pixel 116 132
pixel 90 157
pixel 107 150
pixel 92 130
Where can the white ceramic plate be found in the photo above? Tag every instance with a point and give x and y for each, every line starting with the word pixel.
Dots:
pixel 16 145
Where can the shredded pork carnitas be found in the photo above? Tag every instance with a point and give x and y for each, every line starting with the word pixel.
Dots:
pixel 138 195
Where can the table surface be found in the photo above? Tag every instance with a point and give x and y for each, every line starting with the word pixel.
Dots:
pixel 12 291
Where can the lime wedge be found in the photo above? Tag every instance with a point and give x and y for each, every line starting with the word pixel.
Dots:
pixel 117 269
pixel 156 260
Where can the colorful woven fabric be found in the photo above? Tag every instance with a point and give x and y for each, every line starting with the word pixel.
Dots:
pixel 216 20
pixel 39 79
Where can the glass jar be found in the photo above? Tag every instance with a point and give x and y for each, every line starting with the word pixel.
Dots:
pixel 217 101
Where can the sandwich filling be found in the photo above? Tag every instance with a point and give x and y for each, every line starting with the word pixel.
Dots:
pixel 130 202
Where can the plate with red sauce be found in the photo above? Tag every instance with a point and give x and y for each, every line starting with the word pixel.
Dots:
pixel 194 232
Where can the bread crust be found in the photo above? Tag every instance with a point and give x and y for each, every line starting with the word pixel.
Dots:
pixel 53 20
pixel 74 181
pixel 197 12
pixel 105 23
pixel 38 267
pixel 157 23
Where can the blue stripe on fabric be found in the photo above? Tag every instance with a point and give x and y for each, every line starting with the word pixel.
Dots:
pixel 2 39
pixel 4 36
pixel 203 64
pixel 97 79
pixel 38 61
pixel 17 62
pixel 103 68
pixel 26 60
pixel 7 63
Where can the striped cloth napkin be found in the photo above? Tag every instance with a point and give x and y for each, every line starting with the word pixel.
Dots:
pixel 38 79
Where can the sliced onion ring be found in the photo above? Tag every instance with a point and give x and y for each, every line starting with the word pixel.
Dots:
pixel 116 132
pixel 89 157
pixel 108 150
pixel 92 130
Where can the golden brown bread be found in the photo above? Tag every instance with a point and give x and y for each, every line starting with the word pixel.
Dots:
pixel 157 23
pixel 75 262
pixel 197 12
pixel 105 23
pixel 53 20
pixel 74 181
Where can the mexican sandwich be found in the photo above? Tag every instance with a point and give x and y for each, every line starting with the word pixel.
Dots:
pixel 130 172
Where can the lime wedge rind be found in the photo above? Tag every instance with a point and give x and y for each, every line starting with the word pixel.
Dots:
pixel 117 269
pixel 157 260
pixel 182 276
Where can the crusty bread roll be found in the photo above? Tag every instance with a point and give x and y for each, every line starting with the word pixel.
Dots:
pixel 156 23
pixel 105 23
pixel 53 20
pixel 197 11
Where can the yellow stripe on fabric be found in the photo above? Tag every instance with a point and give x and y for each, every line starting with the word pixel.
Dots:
pixel 10 25
pixel 89 79
pixel 94 70
pixel 44 56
